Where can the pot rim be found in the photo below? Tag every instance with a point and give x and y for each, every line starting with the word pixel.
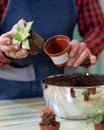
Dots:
pixel 45 85
pixel 57 37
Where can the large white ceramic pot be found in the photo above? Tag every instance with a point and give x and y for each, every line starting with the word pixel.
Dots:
pixel 57 91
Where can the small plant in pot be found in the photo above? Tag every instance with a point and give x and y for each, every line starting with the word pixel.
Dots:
pixel 48 120
pixel 72 92
pixel 86 94
pixel 97 119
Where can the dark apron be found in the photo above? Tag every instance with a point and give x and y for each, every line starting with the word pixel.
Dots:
pixel 50 17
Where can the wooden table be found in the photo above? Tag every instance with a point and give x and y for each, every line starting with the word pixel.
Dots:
pixel 24 114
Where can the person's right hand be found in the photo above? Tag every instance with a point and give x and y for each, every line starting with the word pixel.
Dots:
pixel 11 50
pixel 80 55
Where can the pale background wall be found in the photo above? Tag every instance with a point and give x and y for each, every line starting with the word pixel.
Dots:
pixel 99 67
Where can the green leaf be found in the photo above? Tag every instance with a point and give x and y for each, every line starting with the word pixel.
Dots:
pixel 89 120
pixel 14 41
pixel 17 36
pixel 20 27
pixel 25 35
pixel 22 33
pixel 25 44
pixel 98 119
pixel 28 26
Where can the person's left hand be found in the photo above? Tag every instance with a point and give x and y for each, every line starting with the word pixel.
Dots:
pixel 80 55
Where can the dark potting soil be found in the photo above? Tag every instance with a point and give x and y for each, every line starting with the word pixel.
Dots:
pixel 77 79
pixel 36 42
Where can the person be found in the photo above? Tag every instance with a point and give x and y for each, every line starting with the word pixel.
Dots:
pixel 21 74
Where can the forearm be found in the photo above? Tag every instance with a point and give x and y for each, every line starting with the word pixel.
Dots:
pixel 95 41
pixel 91 25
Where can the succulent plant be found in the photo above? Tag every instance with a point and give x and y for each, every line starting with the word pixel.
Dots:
pixel 22 32
pixel 26 37
pixel 48 117
pixel 96 118
pixel 86 93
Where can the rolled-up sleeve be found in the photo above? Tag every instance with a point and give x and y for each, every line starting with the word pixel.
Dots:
pixel 91 24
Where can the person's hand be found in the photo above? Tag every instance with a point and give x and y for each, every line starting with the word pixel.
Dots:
pixel 80 55
pixel 11 50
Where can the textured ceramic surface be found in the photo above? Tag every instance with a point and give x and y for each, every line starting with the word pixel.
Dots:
pixel 66 106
